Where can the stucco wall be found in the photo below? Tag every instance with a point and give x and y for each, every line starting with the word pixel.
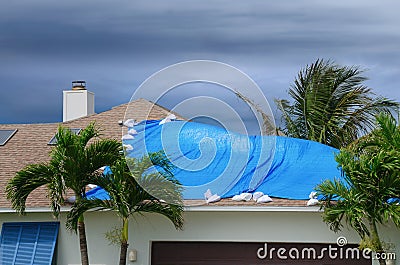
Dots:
pixel 199 226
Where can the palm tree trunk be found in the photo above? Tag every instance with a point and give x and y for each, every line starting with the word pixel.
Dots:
pixel 124 241
pixel 82 241
pixel 123 253
pixel 377 242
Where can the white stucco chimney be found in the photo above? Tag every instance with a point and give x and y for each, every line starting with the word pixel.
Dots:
pixel 77 102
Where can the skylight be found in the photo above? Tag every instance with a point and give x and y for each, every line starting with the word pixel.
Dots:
pixel 53 140
pixel 6 135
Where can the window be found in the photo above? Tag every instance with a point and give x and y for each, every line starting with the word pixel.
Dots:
pixel 6 135
pixel 53 140
pixel 28 243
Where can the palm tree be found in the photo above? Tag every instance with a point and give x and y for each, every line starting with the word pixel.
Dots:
pixel 73 163
pixel 370 180
pixel 127 197
pixel 385 137
pixel 331 105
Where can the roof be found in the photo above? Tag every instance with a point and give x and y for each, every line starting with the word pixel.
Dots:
pixel 30 146
pixel 276 202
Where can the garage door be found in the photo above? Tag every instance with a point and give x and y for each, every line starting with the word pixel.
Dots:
pixel 251 253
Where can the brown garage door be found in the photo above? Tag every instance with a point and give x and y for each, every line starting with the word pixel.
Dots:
pixel 250 253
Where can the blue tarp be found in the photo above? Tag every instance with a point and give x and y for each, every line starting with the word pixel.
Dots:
pixel 209 157
pixel 97 193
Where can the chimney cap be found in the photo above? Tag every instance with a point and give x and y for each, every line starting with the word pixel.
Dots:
pixel 79 85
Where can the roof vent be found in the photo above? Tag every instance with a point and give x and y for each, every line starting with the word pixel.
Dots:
pixel 79 85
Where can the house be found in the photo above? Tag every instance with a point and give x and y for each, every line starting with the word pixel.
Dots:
pixel 226 232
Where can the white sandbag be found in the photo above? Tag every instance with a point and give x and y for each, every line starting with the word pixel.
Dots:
pixel 169 118
pixel 127 147
pixel 207 194
pixel 132 132
pixel 245 196
pixel 312 202
pixel 237 198
pixel 257 195
pixel 127 137
pixel 214 198
pixel 164 121
pixel 313 195
pixel 129 123
pixel 264 199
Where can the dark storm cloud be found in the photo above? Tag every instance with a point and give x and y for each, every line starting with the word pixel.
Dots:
pixel 115 45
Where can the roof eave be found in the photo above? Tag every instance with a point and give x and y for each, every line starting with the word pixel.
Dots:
pixel 203 208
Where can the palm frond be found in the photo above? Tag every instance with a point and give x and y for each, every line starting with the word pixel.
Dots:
pixel 82 206
pixel 172 212
pixel 290 128
pixel 72 163
pixel 29 179
pixel 370 179
pixel 101 153
pixel 340 203
pixel 386 136
pixel 331 105
pixel 135 189
pixel 65 137
pixel 268 125
pixel 91 131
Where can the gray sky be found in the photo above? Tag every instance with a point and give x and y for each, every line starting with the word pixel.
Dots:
pixel 116 45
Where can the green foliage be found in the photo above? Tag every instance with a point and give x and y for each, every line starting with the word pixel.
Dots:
pixel 73 163
pixel 128 195
pixel 133 188
pixel 330 104
pixel 28 180
pixel 114 236
pixel 370 178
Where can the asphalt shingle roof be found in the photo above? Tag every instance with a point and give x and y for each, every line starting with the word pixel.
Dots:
pixel 30 146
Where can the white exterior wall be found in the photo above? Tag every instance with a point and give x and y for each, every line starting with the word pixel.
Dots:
pixel 256 226
pixel 77 103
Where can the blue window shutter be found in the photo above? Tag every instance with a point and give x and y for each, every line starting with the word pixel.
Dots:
pixel 28 243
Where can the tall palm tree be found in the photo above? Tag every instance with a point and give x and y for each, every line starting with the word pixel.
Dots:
pixel 370 180
pixel 330 104
pixel 127 197
pixel 74 161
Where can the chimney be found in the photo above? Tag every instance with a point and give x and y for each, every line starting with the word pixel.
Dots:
pixel 77 102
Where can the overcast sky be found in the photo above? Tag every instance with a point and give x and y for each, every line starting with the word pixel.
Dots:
pixel 116 45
